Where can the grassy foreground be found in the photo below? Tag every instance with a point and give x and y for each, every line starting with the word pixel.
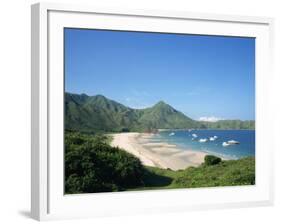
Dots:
pixel 225 173
pixel 92 165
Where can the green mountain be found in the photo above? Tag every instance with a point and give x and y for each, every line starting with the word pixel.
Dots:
pixel 98 113
pixel 229 124
pixel 163 116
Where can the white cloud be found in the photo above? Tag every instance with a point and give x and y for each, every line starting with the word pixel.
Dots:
pixel 128 99
pixel 210 119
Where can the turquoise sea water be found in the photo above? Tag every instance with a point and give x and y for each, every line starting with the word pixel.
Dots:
pixel 186 141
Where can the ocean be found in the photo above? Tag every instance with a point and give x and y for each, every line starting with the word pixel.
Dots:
pixel 190 139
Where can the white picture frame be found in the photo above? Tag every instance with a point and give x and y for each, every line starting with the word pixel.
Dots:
pixel 48 201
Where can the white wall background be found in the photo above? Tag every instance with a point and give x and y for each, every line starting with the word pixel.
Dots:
pixel 15 110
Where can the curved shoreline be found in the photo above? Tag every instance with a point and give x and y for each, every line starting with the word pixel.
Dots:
pixel 162 155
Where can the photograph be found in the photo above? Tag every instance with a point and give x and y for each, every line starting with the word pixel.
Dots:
pixel 157 111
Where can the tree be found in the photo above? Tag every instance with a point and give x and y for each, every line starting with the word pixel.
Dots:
pixel 211 160
pixel 92 165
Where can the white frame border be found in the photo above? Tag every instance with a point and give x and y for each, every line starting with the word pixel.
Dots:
pixel 39 96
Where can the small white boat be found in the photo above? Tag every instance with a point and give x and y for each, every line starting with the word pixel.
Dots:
pixel 172 133
pixel 233 142
pixel 230 142
pixel 203 140
pixel 224 144
pixel 213 138
pixel 194 136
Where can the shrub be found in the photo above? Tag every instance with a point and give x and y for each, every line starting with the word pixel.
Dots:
pixel 125 130
pixel 226 173
pixel 211 160
pixel 92 165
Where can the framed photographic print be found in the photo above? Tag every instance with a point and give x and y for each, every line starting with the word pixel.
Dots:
pixel 148 111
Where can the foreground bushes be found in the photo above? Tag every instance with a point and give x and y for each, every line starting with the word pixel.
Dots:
pixel 223 173
pixel 211 160
pixel 92 165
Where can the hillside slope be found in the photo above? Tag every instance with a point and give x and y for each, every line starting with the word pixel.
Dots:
pixel 92 113
pixel 100 114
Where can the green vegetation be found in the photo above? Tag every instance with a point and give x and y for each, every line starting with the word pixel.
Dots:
pixel 229 124
pixel 94 114
pixel 92 165
pixel 225 173
pixel 211 160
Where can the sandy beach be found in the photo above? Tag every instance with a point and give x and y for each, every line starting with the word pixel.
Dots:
pixel 162 155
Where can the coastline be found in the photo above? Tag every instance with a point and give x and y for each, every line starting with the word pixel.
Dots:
pixel 202 129
pixel 161 155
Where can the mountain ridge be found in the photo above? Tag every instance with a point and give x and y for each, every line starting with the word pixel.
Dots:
pixel 99 113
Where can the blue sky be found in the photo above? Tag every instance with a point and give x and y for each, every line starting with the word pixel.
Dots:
pixel 205 77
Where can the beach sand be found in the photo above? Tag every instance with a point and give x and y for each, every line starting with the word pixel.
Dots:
pixel 162 155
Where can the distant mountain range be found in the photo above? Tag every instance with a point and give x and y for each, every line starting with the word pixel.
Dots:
pixel 98 113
